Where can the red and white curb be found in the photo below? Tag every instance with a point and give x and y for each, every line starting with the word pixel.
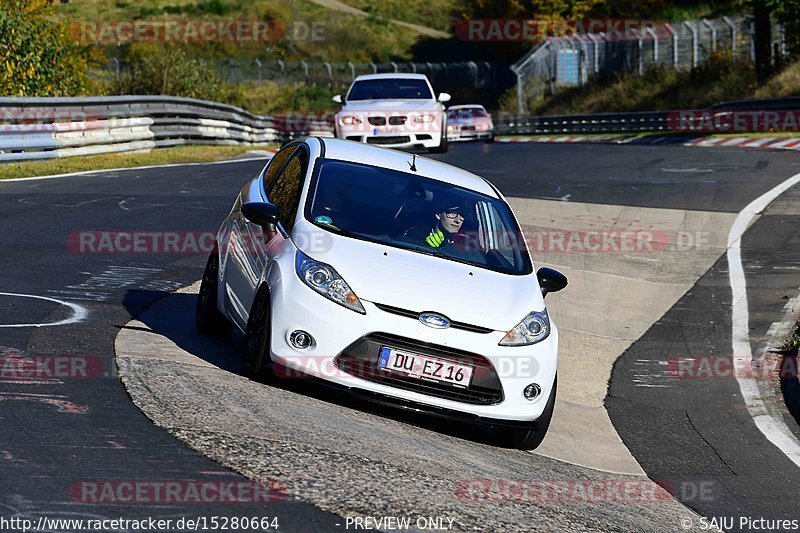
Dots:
pixel 781 143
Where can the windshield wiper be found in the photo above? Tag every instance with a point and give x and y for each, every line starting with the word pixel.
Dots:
pixel 338 230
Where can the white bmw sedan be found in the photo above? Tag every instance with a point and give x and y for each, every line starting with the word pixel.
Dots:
pixel 393 110
pixel 402 279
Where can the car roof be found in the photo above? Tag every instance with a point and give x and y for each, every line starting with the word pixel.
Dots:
pixel 391 75
pixel 466 106
pixel 356 152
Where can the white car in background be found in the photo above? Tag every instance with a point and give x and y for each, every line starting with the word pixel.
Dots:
pixel 330 264
pixel 469 123
pixel 393 110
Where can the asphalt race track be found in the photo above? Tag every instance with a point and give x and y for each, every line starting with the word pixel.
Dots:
pixel 65 435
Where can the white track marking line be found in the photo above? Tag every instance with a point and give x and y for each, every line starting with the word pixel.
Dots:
pixel 775 430
pixel 78 312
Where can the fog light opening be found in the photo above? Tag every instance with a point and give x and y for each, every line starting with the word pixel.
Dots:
pixel 532 391
pixel 300 339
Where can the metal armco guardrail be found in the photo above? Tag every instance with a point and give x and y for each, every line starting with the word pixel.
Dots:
pixel 48 128
pixel 595 123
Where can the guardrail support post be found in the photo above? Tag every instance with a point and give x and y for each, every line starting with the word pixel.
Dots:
pixel 352 70
pixel 394 65
pixel 641 53
pixel 734 36
pixel 305 70
pixel 520 110
pixel 693 29
pixel 595 52
pixel 260 74
pixel 674 34
pixel 711 27
pixel 330 74
pixel 374 67
pixel 652 32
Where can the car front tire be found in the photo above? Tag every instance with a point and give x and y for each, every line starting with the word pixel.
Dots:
pixel 442 148
pixel 257 361
pixel 208 318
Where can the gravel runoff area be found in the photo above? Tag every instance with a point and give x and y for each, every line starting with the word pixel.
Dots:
pixel 359 460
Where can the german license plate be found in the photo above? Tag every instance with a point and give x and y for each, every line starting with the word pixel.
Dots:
pixel 425 367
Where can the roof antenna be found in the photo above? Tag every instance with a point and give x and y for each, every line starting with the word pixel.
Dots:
pixel 413 163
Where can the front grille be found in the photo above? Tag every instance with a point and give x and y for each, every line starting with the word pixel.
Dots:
pixel 360 359
pixel 415 316
pixel 467 128
pixel 397 121
pixel 388 140
pixel 353 138
pixel 377 121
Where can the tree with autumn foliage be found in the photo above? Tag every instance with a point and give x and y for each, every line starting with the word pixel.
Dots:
pixel 37 57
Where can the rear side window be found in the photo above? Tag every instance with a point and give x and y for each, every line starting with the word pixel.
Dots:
pixel 285 192
pixel 275 165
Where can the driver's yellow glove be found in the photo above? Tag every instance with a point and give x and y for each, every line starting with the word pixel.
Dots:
pixel 435 239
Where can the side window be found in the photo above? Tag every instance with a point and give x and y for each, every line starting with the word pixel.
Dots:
pixel 285 192
pixel 275 165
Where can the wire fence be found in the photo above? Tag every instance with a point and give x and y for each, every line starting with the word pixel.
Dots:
pixel 569 61
pixel 471 74
pixel 466 74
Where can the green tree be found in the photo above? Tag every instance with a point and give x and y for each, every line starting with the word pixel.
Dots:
pixel 37 57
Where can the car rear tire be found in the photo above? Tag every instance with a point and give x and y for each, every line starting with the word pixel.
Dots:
pixel 529 438
pixel 257 361
pixel 208 318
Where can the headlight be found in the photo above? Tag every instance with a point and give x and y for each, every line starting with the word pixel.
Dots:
pixel 450 128
pixel 327 282
pixel 425 117
pixel 532 329
pixel 482 127
pixel 349 120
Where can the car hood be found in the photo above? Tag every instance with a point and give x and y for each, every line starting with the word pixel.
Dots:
pixel 418 282
pixel 391 105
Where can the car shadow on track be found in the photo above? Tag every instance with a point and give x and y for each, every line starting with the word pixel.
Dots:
pixel 171 315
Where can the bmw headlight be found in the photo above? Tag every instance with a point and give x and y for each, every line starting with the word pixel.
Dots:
pixel 326 281
pixel 535 327
pixel 425 118
pixel 350 120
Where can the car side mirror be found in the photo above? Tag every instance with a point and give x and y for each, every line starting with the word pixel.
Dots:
pixel 262 214
pixel 444 97
pixel 337 99
pixel 550 280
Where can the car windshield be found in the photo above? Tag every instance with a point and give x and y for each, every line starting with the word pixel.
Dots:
pixel 470 112
pixel 407 211
pixel 391 88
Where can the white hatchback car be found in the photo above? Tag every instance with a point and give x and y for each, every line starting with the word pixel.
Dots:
pixel 393 110
pixel 399 278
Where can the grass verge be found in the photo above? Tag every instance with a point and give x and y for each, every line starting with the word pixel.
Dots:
pixel 162 156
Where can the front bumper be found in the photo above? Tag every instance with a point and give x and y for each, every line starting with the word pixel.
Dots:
pixel 396 139
pixel 469 135
pixel 335 328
